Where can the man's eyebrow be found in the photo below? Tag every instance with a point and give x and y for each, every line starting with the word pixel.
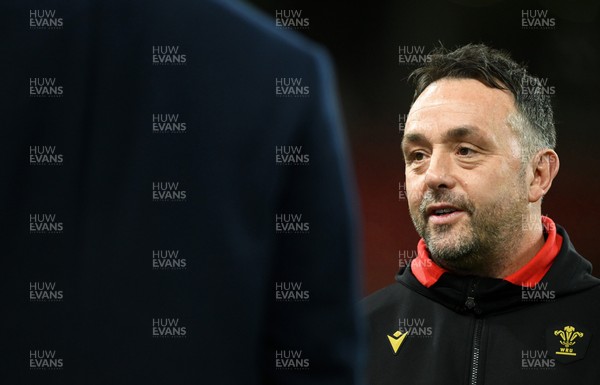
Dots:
pixel 462 132
pixel 413 138
pixel 454 134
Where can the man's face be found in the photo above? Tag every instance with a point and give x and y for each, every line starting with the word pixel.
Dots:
pixel 466 189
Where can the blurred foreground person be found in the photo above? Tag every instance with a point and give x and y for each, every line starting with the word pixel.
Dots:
pixel 176 199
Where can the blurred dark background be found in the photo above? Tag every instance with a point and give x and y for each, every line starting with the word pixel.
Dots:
pixel 364 39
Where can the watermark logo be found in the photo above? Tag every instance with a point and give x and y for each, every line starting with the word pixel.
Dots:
pixel 415 327
pixel 44 19
pixel 290 292
pixel 402 123
pixel 409 55
pixel 291 88
pixel 537 19
pixel 44 292
pixel 533 222
pixel 291 19
pixel 402 191
pixel 168 328
pixel 44 224
pixel 537 86
pixel 168 55
pixel 44 156
pixel 168 124
pixel 405 257
pixel 537 360
pixel 291 360
pixel 168 192
pixel 291 156
pixel 45 88
pixel 403 194
pixel 537 292
pixel 291 224
pixel 168 260
pixel 45 360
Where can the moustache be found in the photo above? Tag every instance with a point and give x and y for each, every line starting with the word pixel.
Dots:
pixel 432 197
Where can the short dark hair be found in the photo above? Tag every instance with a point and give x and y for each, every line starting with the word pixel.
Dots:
pixel 534 121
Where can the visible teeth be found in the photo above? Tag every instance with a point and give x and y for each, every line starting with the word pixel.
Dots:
pixel 444 211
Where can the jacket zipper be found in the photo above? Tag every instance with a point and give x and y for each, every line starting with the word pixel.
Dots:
pixel 476 353
pixel 475 358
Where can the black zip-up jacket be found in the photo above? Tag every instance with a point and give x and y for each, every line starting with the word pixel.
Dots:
pixel 474 330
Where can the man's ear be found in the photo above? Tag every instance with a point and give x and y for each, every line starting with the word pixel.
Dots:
pixel 545 167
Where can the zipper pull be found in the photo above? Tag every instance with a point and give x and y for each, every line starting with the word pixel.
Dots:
pixel 470 303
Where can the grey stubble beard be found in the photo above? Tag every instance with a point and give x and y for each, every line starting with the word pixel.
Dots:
pixel 484 245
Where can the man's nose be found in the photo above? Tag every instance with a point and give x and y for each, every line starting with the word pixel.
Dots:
pixel 439 172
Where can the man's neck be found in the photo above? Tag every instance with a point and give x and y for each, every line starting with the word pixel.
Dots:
pixel 510 256
pixel 528 248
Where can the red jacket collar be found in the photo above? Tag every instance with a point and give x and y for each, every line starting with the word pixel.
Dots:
pixel 428 273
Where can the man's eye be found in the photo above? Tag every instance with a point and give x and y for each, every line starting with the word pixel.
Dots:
pixel 418 156
pixel 465 151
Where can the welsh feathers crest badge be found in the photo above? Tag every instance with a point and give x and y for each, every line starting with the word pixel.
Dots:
pixel 567 342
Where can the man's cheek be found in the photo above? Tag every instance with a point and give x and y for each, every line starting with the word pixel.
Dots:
pixel 414 203
pixel 412 188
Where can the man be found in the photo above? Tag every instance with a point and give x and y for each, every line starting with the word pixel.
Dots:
pixel 497 293
pixel 172 212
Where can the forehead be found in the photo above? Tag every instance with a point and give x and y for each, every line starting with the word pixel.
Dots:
pixel 451 103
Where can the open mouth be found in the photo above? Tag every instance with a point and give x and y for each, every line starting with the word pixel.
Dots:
pixel 443 213
pixel 441 209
